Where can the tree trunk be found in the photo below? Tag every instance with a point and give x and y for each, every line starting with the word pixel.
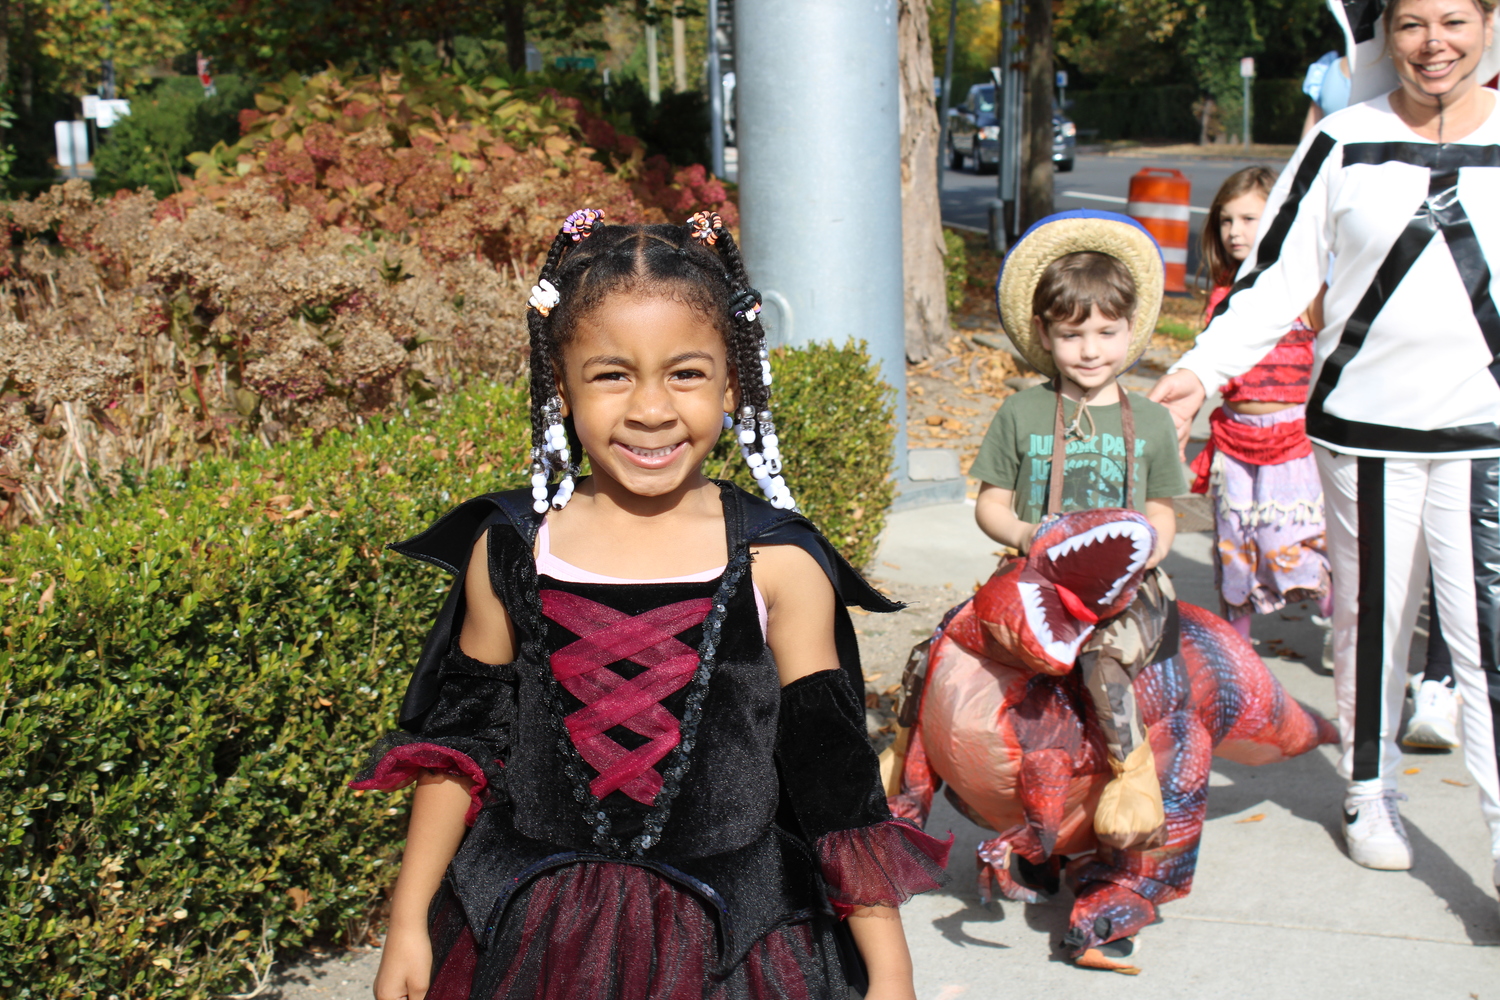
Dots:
pixel 515 35
pixel 921 215
pixel 679 55
pixel 1036 191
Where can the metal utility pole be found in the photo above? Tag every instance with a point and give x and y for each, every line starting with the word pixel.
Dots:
pixel 1009 93
pixel 1247 73
pixel 820 176
pixel 947 94
pixel 715 94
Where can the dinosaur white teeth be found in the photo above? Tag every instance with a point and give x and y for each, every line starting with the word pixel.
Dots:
pixel 1036 615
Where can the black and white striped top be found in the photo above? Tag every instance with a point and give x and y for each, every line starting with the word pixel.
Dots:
pixel 1401 229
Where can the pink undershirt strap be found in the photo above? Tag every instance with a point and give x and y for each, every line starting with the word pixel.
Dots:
pixel 548 564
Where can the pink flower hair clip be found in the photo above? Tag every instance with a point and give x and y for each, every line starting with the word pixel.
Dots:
pixel 705 227
pixel 580 224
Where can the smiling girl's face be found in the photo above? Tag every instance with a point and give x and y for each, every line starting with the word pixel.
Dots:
pixel 647 382
pixel 1436 46
pixel 1239 221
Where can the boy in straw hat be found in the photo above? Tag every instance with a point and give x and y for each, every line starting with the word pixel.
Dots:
pixel 1078 295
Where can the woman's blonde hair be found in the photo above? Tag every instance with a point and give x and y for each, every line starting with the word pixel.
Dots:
pixel 1216 260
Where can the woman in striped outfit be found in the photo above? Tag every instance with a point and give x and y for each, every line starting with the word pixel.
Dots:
pixel 1399 190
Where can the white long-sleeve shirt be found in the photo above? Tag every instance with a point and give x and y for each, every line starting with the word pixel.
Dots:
pixel 1406 363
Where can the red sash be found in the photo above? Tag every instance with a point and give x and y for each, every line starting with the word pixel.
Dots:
pixel 1250 444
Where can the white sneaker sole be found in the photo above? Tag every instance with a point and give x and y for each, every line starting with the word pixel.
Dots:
pixel 1426 735
pixel 1380 858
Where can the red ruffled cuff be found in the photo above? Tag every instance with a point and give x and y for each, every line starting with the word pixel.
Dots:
pixel 883 864
pixel 401 765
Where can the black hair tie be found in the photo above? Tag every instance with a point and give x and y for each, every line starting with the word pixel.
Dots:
pixel 746 303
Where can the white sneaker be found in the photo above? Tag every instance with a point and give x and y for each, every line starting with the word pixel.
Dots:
pixel 1373 831
pixel 1434 718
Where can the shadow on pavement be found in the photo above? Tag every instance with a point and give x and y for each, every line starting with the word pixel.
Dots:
pixel 1310 789
pixel 951 927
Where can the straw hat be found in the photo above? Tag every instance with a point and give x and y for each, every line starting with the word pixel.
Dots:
pixel 1371 70
pixel 1071 232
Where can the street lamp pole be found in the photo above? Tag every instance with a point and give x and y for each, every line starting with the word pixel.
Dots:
pixel 818 91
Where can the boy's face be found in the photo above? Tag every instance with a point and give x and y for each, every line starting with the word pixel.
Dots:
pixel 1088 352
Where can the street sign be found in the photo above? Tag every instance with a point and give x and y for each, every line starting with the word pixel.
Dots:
pixel 72 144
pixel 1062 78
pixel 574 62
pixel 1247 67
pixel 107 113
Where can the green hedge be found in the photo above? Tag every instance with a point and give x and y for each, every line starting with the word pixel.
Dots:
pixel 193 669
pixel 1164 112
pixel 1278 108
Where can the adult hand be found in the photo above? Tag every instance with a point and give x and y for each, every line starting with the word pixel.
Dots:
pixel 1182 394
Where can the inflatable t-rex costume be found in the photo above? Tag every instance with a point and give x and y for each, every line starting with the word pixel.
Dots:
pixel 1004 723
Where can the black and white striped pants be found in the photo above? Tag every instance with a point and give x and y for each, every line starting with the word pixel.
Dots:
pixel 1388 519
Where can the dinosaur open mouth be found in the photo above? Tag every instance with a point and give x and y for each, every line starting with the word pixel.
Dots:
pixel 1080 561
pixel 1058 632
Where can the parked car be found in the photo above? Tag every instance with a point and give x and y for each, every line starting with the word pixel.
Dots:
pixel 974 133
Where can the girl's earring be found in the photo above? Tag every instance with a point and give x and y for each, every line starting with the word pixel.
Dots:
pixel 728 421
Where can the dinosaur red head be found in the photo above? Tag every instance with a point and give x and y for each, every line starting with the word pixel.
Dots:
pixel 1036 612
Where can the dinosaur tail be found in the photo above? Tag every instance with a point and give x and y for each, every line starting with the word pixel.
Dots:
pixel 1252 718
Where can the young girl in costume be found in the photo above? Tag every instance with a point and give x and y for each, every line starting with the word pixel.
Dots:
pixel 1258 466
pixel 637 729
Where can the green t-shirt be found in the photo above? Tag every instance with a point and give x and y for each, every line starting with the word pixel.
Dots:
pixel 1017 454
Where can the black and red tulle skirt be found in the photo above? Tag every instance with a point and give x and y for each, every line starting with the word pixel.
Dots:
pixel 611 931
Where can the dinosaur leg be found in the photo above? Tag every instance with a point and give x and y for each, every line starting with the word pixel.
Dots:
pixel 918 783
pixel 1043 790
pixel 1119 891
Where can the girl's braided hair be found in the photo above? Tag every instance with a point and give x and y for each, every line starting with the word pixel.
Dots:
pixel 697 264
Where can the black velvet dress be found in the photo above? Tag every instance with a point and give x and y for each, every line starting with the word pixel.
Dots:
pixel 653 815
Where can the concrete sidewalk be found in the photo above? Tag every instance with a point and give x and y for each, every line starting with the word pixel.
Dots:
pixel 1277 909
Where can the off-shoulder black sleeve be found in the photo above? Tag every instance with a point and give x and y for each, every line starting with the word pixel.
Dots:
pixel 458 712
pixel 831 778
pixel 465 733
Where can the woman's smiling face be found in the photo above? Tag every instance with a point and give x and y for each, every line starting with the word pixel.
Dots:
pixel 1436 46
pixel 646 380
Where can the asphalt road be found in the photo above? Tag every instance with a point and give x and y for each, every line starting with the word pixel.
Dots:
pixel 1096 181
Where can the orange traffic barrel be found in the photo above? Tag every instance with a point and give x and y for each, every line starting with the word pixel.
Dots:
pixel 1159 201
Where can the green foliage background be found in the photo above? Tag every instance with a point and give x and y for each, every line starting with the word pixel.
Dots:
pixel 955 267
pixel 149 147
pixel 192 671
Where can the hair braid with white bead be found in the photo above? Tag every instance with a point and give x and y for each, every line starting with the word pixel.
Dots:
pixel 697 263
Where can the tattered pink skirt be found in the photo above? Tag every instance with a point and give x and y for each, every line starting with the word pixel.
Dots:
pixel 1268 527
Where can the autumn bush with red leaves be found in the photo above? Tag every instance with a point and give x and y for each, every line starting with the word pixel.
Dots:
pixel 367 242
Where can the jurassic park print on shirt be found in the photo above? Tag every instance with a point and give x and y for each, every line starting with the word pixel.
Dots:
pixel 1017 454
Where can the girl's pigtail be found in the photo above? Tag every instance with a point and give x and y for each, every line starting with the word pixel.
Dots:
pixel 755 428
pixel 551 443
